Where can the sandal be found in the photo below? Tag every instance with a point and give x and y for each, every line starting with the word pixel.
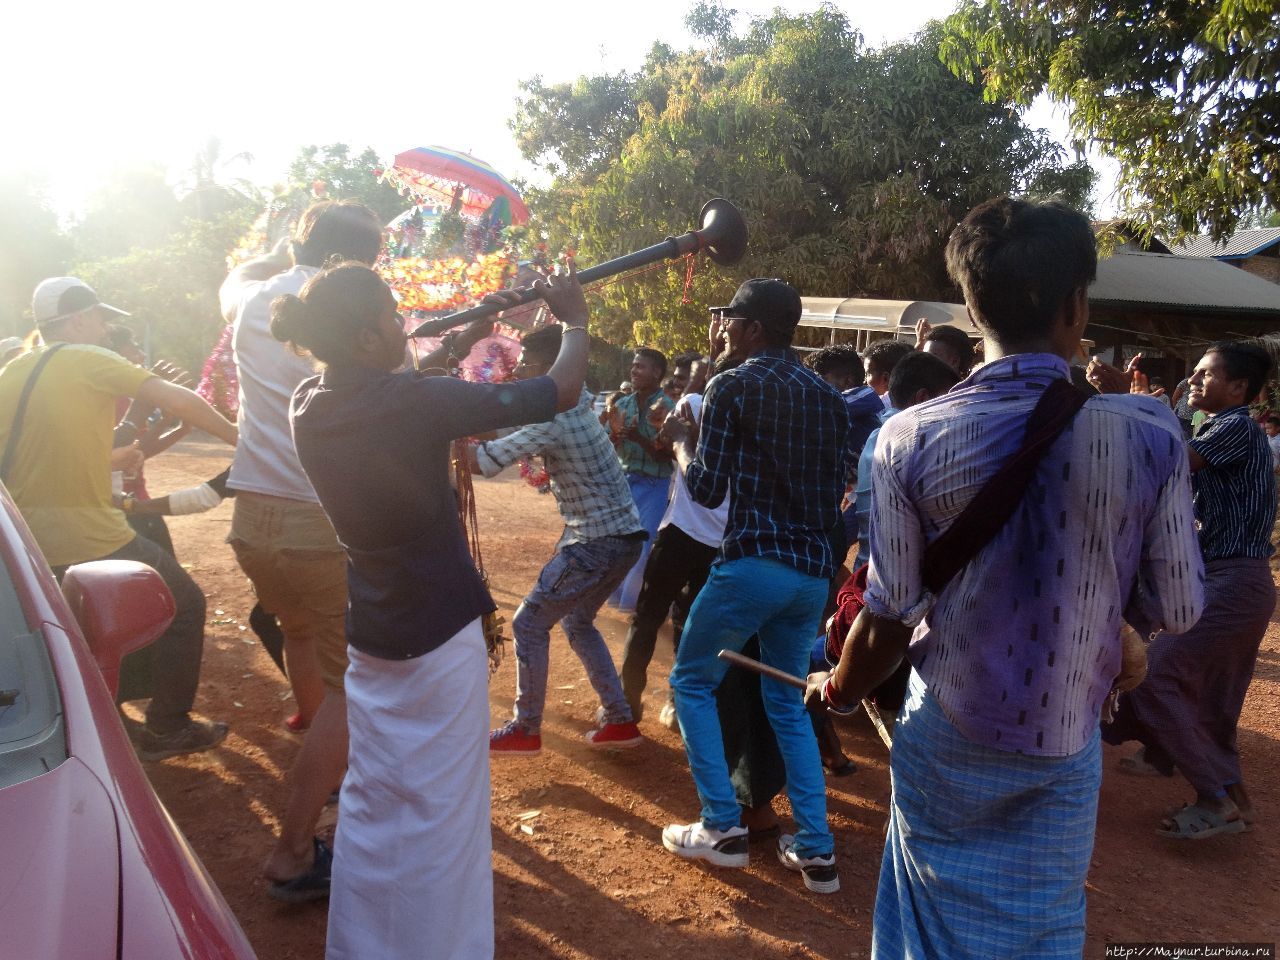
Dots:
pixel 1247 817
pixel 312 885
pixel 1194 822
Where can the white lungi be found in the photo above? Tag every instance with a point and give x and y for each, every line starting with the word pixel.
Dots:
pixel 412 868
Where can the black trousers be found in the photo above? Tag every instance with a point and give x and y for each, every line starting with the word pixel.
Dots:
pixel 676 570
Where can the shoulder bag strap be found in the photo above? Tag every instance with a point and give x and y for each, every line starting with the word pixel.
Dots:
pixel 995 503
pixel 11 448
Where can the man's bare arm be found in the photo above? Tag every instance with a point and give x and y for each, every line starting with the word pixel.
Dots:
pixel 189 407
pixel 873 650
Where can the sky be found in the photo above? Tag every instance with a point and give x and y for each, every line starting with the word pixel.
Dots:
pixel 141 82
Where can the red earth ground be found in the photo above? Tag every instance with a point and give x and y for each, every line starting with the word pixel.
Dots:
pixel 579 871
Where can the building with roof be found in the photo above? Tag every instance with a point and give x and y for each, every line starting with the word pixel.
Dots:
pixel 1253 251
pixel 1166 306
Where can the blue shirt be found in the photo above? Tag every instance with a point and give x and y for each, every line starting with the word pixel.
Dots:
pixel 866 413
pixel 1022 646
pixel 375 446
pixel 1235 494
pixel 862 492
pixel 774 438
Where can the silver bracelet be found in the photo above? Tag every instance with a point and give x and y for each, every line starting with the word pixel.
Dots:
pixel 568 329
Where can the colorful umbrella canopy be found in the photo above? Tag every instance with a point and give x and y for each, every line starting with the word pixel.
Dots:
pixel 441 175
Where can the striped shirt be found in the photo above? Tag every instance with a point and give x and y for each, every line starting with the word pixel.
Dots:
pixel 1021 647
pixel 1235 494
pixel 589 485
pixel 774 437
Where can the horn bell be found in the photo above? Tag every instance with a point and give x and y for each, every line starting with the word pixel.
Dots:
pixel 723 233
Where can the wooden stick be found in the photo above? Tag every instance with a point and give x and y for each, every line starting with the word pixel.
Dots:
pixel 738 660
pixel 878 722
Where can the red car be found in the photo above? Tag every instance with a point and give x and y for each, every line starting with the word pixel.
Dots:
pixel 91 865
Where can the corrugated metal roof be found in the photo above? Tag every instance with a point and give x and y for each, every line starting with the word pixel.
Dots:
pixel 1236 247
pixel 855 313
pixel 1182 284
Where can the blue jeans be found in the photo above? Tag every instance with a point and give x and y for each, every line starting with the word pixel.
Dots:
pixel 650 496
pixel 782 605
pixel 570 591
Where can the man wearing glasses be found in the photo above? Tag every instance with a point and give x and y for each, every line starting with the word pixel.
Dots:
pixel 773 438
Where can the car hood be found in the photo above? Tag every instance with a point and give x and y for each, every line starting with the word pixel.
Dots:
pixel 60 875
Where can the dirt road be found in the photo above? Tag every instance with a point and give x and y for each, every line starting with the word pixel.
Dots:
pixel 592 880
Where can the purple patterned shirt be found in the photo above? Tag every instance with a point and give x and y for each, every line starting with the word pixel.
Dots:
pixel 1022 646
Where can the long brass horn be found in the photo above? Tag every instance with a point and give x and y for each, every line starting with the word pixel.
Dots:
pixel 723 235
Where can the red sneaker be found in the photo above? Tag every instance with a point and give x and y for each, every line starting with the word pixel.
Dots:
pixel 616 736
pixel 512 740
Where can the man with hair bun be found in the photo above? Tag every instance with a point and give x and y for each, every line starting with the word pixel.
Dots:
pixel 412 870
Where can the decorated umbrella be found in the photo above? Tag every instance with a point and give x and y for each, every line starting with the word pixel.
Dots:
pixel 458 180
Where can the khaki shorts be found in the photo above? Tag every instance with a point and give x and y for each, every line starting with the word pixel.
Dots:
pixel 289 551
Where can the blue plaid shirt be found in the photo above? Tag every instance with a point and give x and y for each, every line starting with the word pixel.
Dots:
pixel 774 436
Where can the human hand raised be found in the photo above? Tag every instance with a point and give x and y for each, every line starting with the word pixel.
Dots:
pixel 923 329
pixel 1108 379
pixel 564 295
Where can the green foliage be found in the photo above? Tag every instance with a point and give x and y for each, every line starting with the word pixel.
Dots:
pixel 346 177
pixel 32 247
pixel 133 208
pixel 1182 93
pixel 850 165
pixel 172 286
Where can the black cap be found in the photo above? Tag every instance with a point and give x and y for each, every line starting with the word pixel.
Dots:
pixel 772 302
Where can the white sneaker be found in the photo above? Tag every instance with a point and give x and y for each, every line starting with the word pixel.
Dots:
pixel 819 872
pixel 724 848
pixel 668 716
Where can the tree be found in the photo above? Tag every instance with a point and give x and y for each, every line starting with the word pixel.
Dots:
pixel 32 247
pixel 208 197
pixel 172 287
pixel 135 207
pixel 342 176
pixel 1182 93
pixel 851 165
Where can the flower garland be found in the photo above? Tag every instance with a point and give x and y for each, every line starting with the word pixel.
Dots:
pixel 535 476
pixel 446 284
pixel 219 385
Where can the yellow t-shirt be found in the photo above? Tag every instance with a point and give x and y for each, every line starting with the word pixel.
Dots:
pixel 61 472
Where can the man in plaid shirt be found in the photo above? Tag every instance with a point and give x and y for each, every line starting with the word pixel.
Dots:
pixel 602 540
pixel 773 437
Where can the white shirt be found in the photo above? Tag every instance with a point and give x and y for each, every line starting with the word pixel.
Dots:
pixel 269 371
pixel 1274 443
pixel 702 524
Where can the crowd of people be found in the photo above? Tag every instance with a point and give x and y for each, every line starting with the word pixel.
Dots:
pixel 1004 562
